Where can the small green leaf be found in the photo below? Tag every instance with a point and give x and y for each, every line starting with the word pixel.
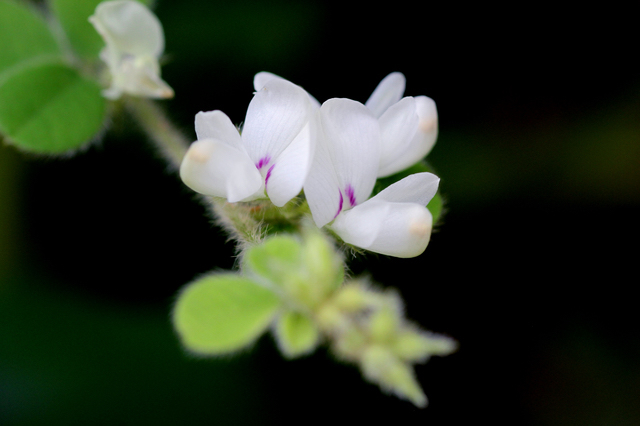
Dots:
pixel 322 261
pixel 49 108
pixel 304 273
pixel 296 334
pixel 275 258
pixel 24 36
pixel 73 16
pixel 222 313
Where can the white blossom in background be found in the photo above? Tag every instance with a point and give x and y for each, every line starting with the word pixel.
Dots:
pixel 272 156
pixel 349 147
pixel 409 125
pixel 134 43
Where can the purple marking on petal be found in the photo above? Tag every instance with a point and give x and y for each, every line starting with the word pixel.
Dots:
pixel 339 206
pixel 351 195
pixel 266 179
pixel 263 162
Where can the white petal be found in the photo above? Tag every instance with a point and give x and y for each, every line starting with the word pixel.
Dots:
pixel 276 114
pixel 215 168
pixel 423 140
pixel 321 188
pixel 217 125
pixel 263 77
pixel 138 77
pixel 285 178
pixel 129 27
pixel 418 188
pixel 428 125
pixel 351 135
pixel 398 125
pixel 394 229
pixel 388 92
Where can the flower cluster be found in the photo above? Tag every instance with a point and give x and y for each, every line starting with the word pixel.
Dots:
pixel 334 151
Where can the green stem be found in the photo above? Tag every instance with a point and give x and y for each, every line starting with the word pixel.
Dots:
pixel 247 223
pixel 173 145
pixel 170 141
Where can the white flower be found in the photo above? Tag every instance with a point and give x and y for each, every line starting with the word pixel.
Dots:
pixel 270 158
pixel 409 125
pixel 134 42
pixel 396 221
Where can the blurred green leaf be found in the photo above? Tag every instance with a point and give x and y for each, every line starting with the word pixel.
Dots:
pixel 275 259
pixel 73 16
pixel 223 313
pixel 24 36
pixel 49 108
pixel 297 334
pixel 305 274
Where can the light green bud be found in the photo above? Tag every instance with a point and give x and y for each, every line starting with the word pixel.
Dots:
pixel 323 264
pixel 305 273
pixel 383 325
pixel 381 366
pixel 329 317
pixel 350 343
pixel 417 346
pixel 296 334
pixel 351 298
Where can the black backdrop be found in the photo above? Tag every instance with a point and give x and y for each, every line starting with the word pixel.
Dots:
pixel 531 268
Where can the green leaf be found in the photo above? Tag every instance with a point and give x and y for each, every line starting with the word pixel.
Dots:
pixel 49 108
pixel 296 334
pixel 276 258
pixel 24 36
pixel 73 16
pixel 435 206
pixel 222 313
pixel 306 274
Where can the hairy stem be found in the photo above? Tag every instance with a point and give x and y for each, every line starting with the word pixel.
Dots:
pixel 168 139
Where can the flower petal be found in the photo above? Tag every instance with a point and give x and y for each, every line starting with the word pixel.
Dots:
pixel 423 140
pixel 263 77
pixel 217 125
pixel 351 135
pixel 129 27
pixel 285 178
pixel 398 125
pixel 394 229
pixel 418 188
pixel 388 92
pixel 138 77
pixel 276 114
pixel 322 188
pixel 215 168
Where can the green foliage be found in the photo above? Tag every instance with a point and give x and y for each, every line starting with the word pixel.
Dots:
pixel 303 273
pixel 297 334
pixel 46 106
pixel 50 108
pixel 222 313
pixel 24 37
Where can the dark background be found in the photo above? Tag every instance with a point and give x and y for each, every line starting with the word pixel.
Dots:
pixel 530 270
